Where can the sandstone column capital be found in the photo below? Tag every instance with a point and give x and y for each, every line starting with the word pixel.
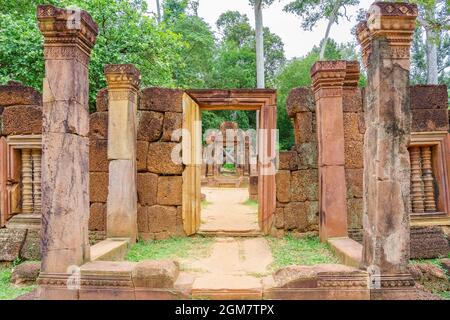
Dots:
pixel 65 28
pixel 394 21
pixel 334 75
pixel 122 77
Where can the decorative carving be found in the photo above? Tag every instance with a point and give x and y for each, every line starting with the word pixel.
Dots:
pixel 333 75
pixel 417 195
pixel 27 182
pixel 36 157
pixel 122 76
pixel 430 202
pixel 393 21
pixel 65 26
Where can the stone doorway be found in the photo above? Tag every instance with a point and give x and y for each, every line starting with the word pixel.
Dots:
pixel 264 103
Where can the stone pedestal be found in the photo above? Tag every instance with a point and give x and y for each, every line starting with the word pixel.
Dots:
pixel 69 36
pixel 329 79
pixel 385 40
pixel 123 85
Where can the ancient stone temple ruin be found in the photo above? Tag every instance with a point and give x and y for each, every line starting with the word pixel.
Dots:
pixel 369 171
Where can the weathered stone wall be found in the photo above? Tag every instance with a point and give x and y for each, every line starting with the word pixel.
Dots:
pixel 429 106
pixel 354 129
pixel 297 178
pixel 20 110
pixel 159 180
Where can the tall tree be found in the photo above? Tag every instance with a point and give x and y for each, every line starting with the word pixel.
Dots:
pixel 434 20
pixel 312 11
pixel 158 11
pixel 259 31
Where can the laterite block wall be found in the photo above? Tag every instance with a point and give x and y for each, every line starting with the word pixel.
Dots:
pixel 159 180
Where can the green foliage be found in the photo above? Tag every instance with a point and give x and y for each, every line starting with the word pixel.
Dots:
pixel 173 248
pixel 126 35
pixel 312 11
pixel 8 291
pixel 289 251
pixel 251 203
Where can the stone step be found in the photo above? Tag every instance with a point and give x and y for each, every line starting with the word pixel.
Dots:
pixel 227 287
pixel 231 233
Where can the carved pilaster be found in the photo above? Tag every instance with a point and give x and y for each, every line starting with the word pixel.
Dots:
pixel 27 182
pixel 417 195
pixel 123 84
pixel 36 158
pixel 394 22
pixel 69 36
pixel 430 202
pixel 329 79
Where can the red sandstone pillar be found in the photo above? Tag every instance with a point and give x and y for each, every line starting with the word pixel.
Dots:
pixel 69 36
pixel 123 85
pixel 385 40
pixel 329 79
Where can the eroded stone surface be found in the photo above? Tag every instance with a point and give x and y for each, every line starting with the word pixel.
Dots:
pixel 26 273
pixel 11 241
pixel 155 274
pixel 22 120
pixel 159 158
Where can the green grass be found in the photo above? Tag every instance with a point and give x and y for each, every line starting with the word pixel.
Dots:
pixel 8 291
pixel 173 248
pixel 229 166
pixel 437 287
pixel 299 251
pixel 205 203
pixel 251 203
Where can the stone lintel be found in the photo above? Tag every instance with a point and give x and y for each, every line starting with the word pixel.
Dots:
pixel 395 21
pixel 66 27
pixel 122 77
pixel 334 75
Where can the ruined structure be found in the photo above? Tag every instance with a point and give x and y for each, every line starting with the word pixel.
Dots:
pixel 369 172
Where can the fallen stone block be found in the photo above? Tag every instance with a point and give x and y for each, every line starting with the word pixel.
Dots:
pixel 155 274
pixel 26 273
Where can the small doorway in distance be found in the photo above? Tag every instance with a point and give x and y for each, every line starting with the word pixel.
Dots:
pixel 228 163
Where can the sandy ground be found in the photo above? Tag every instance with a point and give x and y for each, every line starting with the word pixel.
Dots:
pixel 225 211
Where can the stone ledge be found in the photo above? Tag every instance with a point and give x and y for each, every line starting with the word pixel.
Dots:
pixel 348 251
pixel 110 250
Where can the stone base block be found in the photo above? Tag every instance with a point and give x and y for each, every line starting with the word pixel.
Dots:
pixel 348 250
pixel 316 294
pixel 57 286
pixel 157 294
pixel 319 282
pixel 106 293
pixel 428 242
pixel 110 250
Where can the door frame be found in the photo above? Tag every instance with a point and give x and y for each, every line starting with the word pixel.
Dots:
pixel 263 101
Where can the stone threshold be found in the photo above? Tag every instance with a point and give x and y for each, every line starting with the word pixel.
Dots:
pixel 231 233
pixel 348 251
pixel 110 249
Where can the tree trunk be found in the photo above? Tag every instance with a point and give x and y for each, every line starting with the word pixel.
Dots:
pixel 432 39
pixel 260 78
pixel 158 9
pixel 331 21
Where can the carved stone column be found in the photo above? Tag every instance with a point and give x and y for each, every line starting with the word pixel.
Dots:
pixel 123 84
pixel 427 170
pixel 385 39
pixel 27 182
pixel 417 195
pixel 36 156
pixel 329 79
pixel 69 36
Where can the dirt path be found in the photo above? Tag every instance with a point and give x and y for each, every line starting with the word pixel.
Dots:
pixel 234 269
pixel 225 211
